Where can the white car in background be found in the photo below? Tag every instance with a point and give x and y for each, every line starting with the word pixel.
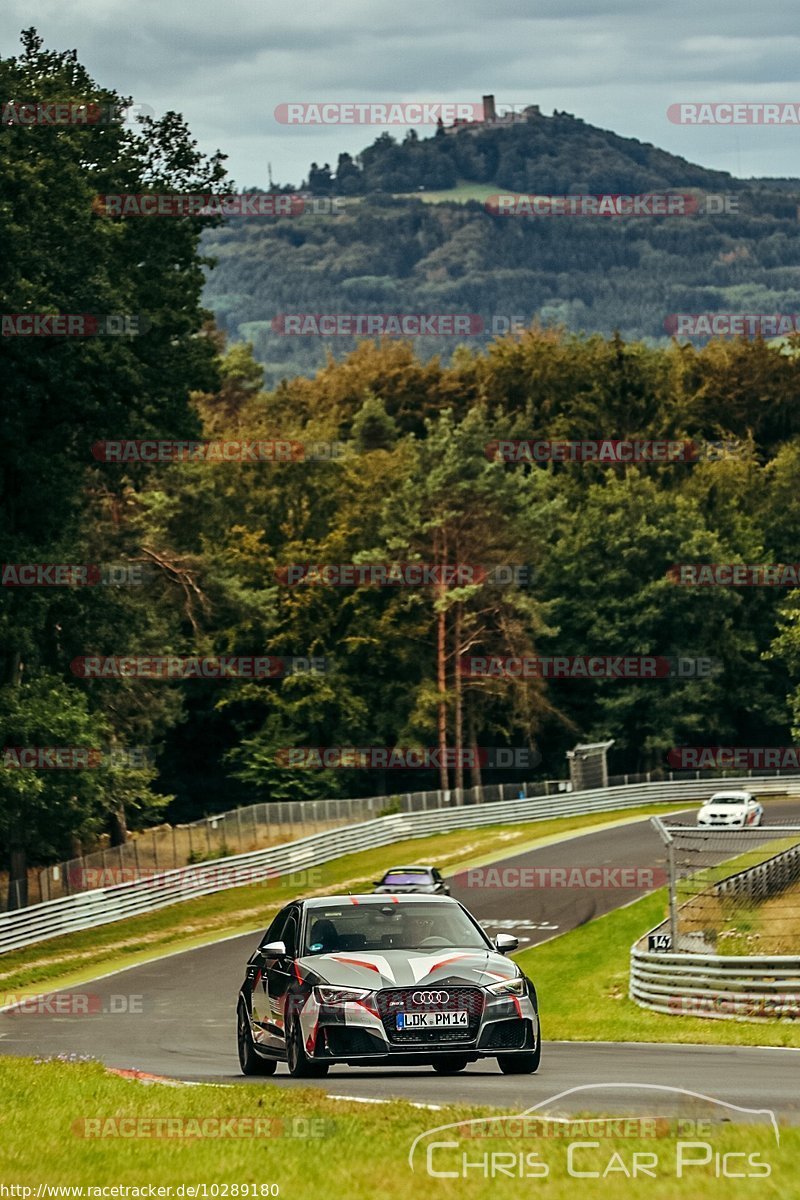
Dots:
pixel 726 809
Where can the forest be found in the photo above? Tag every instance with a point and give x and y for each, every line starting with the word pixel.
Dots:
pixel 409 227
pixel 410 475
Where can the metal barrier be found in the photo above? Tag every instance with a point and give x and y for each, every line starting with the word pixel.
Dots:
pixel 766 879
pixel 238 831
pixel 753 988
pixel 241 830
pixel 101 906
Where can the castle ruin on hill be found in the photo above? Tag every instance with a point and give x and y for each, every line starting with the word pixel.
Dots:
pixel 494 120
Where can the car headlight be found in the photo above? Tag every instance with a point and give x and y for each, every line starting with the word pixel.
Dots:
pixel 508 987
pixel 339 995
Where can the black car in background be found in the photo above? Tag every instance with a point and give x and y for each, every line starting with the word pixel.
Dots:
pixel 425 880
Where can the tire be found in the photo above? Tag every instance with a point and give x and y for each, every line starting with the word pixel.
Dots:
pixel 250 1061
pixel 449 1066
pixel 300 1065
pixel 522 1064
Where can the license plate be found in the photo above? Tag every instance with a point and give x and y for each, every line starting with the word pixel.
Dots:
pixel 431 1020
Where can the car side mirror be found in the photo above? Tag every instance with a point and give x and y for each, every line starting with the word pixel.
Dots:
pixel 273 949
pixel 505 943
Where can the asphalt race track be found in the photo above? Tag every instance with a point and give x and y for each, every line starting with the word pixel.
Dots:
pixel 176 1015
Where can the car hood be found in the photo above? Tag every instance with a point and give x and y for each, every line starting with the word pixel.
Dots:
pixel 406 968
pixel 723 810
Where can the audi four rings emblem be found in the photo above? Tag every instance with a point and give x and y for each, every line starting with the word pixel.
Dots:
pixel 430 997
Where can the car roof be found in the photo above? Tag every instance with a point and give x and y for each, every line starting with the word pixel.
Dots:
pixel 373 898
pixel 738 795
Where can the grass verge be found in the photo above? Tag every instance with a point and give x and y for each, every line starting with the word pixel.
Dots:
pixel 360 1151
pixel 459 194
pixel 582 981
pixel 738 924
pixel 79 957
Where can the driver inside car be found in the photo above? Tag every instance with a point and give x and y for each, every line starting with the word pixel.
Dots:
pixel 323 937
pixel 416 931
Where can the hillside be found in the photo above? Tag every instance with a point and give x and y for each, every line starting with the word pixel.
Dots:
pixel 413 235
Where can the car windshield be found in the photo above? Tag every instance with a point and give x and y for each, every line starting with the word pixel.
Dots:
pixel 727 800
pixel 380 927
pixel 403 878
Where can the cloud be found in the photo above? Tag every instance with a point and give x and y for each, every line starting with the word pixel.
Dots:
pixel 616 63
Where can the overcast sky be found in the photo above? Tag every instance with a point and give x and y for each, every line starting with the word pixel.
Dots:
pixel 226 65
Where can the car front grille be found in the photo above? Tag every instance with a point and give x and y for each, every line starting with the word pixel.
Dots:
pixel 394 1000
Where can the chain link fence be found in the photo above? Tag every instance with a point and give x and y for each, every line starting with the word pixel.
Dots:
pixel 256 827
pixel 733 891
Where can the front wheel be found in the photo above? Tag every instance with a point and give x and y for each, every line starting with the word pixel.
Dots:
pixel 250 1062
pixel 522 1064
pixel 300 1065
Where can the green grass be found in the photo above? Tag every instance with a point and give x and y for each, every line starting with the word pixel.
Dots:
pixel 582 981
pixel 78 957
pixel 582 976
pixel 360 1152
pixel 730 923
pixel 708 876
pixel 769 926
pixel 458 194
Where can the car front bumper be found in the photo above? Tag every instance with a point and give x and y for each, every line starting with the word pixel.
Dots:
pixel 721 822
pixel 366 1030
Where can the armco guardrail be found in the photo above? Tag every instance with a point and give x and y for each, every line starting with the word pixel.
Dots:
pixel 242 830
pixel 765 879
pixel 254 827
pixel 754 988
pixel 104 905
